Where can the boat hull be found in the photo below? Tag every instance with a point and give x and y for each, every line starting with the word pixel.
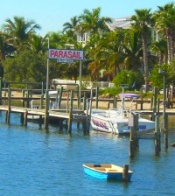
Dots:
pixel 106 173
pixel 103 176
pixel 118 125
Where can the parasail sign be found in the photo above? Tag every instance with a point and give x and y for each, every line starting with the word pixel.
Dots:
pixel 65 54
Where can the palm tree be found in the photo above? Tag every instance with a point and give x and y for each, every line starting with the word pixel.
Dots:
pixel 59 40
pixel 160 49
pixel 106 54
pixel 6 49
pixel 142 21
pixel 132 50
pixel 91 21
pixel 38 44
pixel 113 51
pixel 20 30
pixel 71 26
pixel 165 24
pixel 55 40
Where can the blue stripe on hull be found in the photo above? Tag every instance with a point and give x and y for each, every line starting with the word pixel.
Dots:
pixel 105 176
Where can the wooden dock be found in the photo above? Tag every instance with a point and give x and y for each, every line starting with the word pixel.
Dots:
pixel 71 110
pixel 60 115
pixel 42 109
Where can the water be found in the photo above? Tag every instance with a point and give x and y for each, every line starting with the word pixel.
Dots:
pixel 49 164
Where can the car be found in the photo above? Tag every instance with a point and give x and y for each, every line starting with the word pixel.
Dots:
pixel 143 88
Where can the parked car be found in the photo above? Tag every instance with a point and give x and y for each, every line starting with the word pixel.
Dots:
pixel 143 88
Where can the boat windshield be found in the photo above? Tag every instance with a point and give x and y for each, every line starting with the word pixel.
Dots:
pixel 127 95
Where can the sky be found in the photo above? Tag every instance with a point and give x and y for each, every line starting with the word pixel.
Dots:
pixel 52 14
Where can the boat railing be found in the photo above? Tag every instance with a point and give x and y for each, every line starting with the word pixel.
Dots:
pixel 112 126
pixel 125 113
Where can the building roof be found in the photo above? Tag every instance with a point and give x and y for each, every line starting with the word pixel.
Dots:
pixel 119 23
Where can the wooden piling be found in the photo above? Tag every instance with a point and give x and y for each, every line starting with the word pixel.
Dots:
pixel 125 173
pixel 141 103
pixel 25 118
pixel 157 135
pixel 134 144
pixel 60 96
pixel 41 101
pixel 22 118
pixel 84 101
pixel 115 102
pixel 23 95
pixel 136 129
pixel 40 121
pixel 27 95
pixel 6 116
pixel 154 105
pixel 166 132
pixel 88 117
pixel 9 107
pixel 131 148
pixel 46 117
pixel 0 91
pixel 70 114
pixel 56 99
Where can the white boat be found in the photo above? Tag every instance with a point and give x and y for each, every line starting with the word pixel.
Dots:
pixel 116 120
pixel 33 117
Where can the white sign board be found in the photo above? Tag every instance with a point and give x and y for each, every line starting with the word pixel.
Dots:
pixel 65 54
pixel 65 61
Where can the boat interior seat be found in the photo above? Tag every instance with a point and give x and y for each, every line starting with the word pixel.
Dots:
pixel 110 170
pixel 100 168
pixel 97 165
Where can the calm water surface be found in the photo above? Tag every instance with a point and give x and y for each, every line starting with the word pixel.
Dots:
pixel 49 164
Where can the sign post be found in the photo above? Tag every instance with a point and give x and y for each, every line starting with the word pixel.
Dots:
pixel 46 119
pixel 47 73
pixel 80 85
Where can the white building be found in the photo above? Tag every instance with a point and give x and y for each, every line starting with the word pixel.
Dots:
pixel 118 23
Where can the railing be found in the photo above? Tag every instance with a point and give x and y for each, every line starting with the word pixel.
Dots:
pixel 86 84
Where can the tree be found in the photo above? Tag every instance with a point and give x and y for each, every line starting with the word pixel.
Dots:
pixel 105 54
pixel 132 50
pixel 131 78
pixel 113 52
pixel 72 71
pixel 6 49
pixel 91 21
pixel 38 44
pixel 142 21
pixel 72 25
pixel 165 25
pixel 20 31
pixel 26 66
pixel 160 49
pixel 157 78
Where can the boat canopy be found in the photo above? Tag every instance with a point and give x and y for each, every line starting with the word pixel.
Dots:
pixel 129 95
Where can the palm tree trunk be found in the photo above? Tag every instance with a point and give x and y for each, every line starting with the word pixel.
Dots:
pixel 145 59
pixel 168 45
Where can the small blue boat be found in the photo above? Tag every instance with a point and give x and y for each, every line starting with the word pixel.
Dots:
pixel 108 171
